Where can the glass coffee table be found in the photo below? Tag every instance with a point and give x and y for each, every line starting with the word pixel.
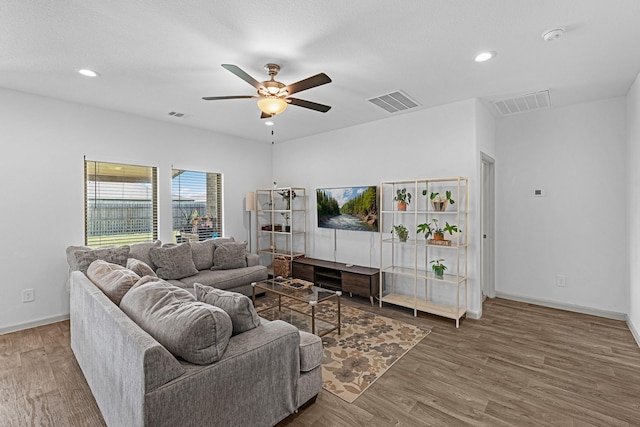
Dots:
pixel 297 302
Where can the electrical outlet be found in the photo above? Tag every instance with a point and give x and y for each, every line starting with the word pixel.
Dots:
pixel 561 281
pixel 28 295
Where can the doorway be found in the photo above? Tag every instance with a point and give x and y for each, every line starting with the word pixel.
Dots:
pixel 487 225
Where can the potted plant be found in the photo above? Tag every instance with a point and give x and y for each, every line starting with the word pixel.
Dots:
pixel 286 217
pixel 403 197
pixel 287 196
pixel 401 231
pixel 432 228
pixel 439 202
pixel 438 268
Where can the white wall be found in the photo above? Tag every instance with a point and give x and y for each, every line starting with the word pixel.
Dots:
pixel 43 144
pixel 633 160
pixel 576 155
pixel 425 144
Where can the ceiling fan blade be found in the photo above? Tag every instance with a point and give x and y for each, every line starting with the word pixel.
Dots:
pixel 308 83
pixel 265 115
pixel 308 104
pixel 244 76
pixel 214 98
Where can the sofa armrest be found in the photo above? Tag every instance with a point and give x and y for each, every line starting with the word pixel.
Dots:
pixel 252 259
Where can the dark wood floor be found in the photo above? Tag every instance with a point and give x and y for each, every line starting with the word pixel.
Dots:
pixel 518 365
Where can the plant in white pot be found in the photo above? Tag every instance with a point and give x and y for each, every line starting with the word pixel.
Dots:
pixel 401 231
pixel 438 267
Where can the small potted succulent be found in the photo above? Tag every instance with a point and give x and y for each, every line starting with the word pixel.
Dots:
pixel 403 197
pixel 439 202
pixel 401 231
pixel 432 228
pixel 438 267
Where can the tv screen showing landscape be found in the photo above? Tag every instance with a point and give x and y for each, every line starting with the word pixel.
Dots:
pixel 348 208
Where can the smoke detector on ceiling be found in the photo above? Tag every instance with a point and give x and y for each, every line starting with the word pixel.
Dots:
pixel 551 35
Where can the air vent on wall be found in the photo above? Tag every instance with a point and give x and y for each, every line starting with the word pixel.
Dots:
pixel 395 101
pixel 523 103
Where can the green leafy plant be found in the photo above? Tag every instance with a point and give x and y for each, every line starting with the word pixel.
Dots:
pixel 432 228
pixel 436 197
pixel 402 196
pixel 401 231
pixel 437 267
pixel 287 196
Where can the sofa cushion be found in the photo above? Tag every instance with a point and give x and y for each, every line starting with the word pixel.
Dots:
pixel 112 279
pixel 173 262
pixel 140 267
pixel 195 331
pixel 226 279
pixel 82 258
pixel 230 255
pixel 239 307
pixel 141 251
pixel 202 253
pixel 311 351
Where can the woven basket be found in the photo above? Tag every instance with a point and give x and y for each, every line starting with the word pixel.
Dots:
pixel 282 267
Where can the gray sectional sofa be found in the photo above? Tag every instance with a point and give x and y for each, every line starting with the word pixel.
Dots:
pixel 140 369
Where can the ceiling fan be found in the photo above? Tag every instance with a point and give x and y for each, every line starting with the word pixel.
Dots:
pixel 273 96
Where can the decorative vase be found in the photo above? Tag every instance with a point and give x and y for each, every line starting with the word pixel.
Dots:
pixel 438 237
pixel 439 274
pixel 402 206
pixel 439 206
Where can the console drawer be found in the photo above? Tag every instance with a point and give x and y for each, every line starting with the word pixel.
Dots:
pixel 303 271
pixel 358 284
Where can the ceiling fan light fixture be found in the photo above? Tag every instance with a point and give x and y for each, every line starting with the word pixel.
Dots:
pixel 272 105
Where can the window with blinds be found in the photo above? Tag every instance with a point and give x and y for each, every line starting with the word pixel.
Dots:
pixel 197 205
pixel 121 204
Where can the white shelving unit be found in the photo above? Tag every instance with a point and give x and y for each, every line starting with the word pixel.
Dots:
pixel 406 277
pixel 273 237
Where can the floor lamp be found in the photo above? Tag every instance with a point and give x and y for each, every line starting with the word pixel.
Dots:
pixel 249 207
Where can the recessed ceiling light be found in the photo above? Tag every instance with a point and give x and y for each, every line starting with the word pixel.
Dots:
pixel 269 123
pixel 88 73
pixel 484 56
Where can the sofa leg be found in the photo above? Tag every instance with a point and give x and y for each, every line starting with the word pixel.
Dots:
pixel 309 402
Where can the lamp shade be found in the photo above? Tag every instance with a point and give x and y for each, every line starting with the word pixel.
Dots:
pixel 249 202
pixel 272 105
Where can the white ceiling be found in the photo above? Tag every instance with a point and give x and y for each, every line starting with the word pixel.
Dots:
pixel 157 56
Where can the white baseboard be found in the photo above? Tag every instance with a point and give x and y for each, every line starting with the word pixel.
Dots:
pixel 562 306
pixel 475 315
pixel 33 324
pixel 634 331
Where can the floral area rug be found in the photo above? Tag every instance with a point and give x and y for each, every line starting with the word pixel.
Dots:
pixel 366 348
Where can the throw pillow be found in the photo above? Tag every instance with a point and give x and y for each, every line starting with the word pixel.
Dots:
pixel 202 253
pixel 230 255
pixel 239 307
pixel 141 251
pixel 112 279
pixel 140 267
pixel 116 255
pixel 173 262
pixel 195 331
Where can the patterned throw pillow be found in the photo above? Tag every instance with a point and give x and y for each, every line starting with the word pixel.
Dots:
pixel 116 255
pixel 230 255
pixel 173 262
pixel 239 307
pixel 202 253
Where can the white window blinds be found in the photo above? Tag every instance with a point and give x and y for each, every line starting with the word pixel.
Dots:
pixel 197 205
pixel 120 204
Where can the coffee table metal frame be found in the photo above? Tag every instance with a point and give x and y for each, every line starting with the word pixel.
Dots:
pixel 310 297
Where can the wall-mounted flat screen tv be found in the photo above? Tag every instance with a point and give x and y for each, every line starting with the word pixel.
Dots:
pixel 348 208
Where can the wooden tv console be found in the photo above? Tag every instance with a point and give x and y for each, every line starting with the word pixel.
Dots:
pixel 355 279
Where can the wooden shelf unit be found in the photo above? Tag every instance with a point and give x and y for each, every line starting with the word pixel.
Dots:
pixel 406 278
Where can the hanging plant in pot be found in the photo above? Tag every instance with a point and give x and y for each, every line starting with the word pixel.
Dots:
pixel 438 268
pixel 438 202
pixel 403 197
pixel 401 231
